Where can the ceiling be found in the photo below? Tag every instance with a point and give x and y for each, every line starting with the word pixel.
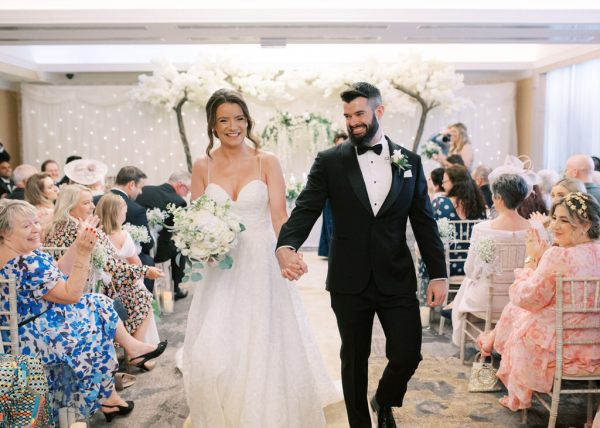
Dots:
pixel 41 41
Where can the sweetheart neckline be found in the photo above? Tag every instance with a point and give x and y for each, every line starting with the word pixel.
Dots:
pixel 240 191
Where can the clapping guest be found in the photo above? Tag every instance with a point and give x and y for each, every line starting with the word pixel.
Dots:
pixel 533 203
pixel 72 333
pixel 560 189
pixel 74 205
pixel 41 192
pixel 525 334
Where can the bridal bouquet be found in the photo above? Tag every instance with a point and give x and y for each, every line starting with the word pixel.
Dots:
pixel 205 232
pixel 156 218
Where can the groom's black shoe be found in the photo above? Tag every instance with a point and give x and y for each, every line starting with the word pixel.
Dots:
pixel 385 417
pixel 180 294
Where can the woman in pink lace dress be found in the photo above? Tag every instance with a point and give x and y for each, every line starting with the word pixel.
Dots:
pixel 525 334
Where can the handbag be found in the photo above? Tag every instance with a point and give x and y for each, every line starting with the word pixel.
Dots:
pixel 483 376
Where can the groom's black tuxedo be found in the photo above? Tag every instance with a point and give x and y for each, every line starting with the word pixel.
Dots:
pixel 370 267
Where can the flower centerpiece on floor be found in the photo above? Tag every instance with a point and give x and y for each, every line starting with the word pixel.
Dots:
pixel 205 232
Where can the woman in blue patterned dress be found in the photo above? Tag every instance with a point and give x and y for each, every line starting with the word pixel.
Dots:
pixel 70 332
pixel 463 201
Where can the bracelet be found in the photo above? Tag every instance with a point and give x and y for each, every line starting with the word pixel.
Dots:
pixel 530 259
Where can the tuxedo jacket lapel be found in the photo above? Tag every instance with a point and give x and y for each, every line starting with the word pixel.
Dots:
pixel 397 181
pixel 355 176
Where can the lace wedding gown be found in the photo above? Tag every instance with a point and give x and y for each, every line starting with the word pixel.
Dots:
pixel 249 358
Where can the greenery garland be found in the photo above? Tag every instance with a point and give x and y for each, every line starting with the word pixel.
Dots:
pixel 285 123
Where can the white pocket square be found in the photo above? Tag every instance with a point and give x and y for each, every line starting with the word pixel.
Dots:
pixel 408 174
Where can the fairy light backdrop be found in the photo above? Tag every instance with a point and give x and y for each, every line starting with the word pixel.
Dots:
pixel 102 122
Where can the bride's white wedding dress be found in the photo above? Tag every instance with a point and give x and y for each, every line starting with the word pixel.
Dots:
pixel 249 358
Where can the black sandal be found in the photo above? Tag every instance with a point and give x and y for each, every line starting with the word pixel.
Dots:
pixel 149 356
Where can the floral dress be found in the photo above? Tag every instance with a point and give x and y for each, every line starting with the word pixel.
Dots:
pixel 135 297
pixel 525 333
pixel 73 342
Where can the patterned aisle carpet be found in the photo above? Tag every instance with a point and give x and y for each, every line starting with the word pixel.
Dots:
pixel 437 395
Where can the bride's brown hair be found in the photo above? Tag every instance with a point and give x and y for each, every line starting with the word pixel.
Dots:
pixel 223 96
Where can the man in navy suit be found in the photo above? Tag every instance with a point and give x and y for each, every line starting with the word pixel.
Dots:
pixel 129 183
pixel 372 195
pixel 172 192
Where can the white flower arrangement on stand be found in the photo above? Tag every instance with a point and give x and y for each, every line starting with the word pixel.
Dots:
pixel 446 230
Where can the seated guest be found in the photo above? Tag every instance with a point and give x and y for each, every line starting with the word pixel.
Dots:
pixel 560 189
pixel 41 192
pixel 173 192
pixel 508 191
pixel 481 177
pixel 65 179
pixel 463 201
pixel 7 185
pixel 435 188
pixel 72 333
pixel 525 334
pixel 547 179
pixel 580 167
pixel 111 210
pixel 454 160
pixel 51 168
pixel 20 176
pixel 534 203
pixel 74 206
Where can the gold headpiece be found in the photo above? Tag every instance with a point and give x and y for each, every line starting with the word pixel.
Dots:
pixel 577 201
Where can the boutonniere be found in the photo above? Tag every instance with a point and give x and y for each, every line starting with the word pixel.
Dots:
pixel 400 160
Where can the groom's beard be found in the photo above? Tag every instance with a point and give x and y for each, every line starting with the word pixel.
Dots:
pixel 366 138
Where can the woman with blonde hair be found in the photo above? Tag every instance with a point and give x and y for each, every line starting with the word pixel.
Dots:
pixel 74 206
pixel 112 210
pixel 459 145
pixel 41 192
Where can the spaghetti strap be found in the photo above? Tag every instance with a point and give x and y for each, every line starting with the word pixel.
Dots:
pixel 208 171
pixel 260 167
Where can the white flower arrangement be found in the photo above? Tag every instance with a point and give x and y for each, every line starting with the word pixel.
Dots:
pixel 486 250
pixel 139 234
pixel 446 230
pixel 156 218
pixel 400 160
pixel 429 149
pixel 99 257
pixel 205 232
pixel 292 191
pixel 98 278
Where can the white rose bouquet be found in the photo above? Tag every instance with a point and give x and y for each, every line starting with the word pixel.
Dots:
pixel 205 232
pixel 429 149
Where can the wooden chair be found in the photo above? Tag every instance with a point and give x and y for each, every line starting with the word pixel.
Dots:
pixel 462 238
pixel 12 324
pixel 510 255
pixel 573 296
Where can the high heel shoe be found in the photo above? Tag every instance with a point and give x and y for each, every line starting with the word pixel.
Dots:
pixel 123 410
pixel 149 356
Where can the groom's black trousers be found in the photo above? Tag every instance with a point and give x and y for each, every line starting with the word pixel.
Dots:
pixel 401 322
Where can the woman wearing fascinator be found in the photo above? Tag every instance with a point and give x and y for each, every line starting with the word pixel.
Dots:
pixel 88 172
pixel 525 333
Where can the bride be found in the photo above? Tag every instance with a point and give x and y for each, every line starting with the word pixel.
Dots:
pixel 249 356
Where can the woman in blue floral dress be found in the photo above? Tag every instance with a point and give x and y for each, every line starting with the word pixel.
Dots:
pixel 70 332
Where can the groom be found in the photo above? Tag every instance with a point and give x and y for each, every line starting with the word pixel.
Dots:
pixel 370 267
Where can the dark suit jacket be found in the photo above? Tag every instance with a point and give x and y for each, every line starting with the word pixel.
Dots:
pixel 4 189
pixel 160 197
pixel 136 215
pixel 364 244
pixel 18 193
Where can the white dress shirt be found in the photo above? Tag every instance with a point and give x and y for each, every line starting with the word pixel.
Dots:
pixel 377 174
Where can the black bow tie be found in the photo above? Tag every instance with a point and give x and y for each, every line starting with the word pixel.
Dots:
pixel 377 148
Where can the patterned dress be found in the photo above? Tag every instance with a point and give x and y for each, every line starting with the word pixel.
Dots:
pixel 525 333
pixel 443 208
pixel 135 297
pixel 74 342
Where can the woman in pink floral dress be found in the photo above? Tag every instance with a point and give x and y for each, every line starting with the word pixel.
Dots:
pixel 525 333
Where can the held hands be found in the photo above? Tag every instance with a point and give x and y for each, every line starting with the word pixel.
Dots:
pixel 154 273
pixel 436 292
pixel 291 263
